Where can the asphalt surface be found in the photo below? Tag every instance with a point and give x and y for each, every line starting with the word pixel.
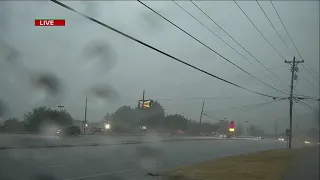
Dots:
pixel 119 162
pixel 39 139
pixel 9 141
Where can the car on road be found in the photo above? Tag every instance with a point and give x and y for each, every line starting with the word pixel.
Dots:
pixel 177 132
pixel 97 130
pixel 69 131
pixel 223 136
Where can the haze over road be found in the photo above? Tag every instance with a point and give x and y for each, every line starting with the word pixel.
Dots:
pixel 120 162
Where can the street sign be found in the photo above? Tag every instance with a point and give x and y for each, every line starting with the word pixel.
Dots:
pixel 232 126
pixel 145 104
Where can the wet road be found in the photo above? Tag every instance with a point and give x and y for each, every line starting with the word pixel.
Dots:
pixel 119 162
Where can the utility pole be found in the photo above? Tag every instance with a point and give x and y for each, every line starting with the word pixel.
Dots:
pixel 143 95
pixel 201 116
pixel 247 128
pixel 294 69
pixel 276 127
pixel 142 117
pixel 85 116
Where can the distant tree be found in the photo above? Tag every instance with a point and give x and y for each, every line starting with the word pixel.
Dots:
pixel 239 129
pixel 41 115
pixel 152 117
pixel 209 128
pixel 193 127
pixel 13 125
pixel 125 114
pixel 108 117
pixel 2 109
pixel 317 117
pixel 255 131
pixel 175 122
pixel 125 119
pixel 312 134
pixel 223 127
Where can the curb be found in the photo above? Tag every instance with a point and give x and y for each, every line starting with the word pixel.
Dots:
pixel 102 144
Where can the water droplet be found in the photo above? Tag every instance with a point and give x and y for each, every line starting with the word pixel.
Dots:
pixel 99 56
pixel 47 82
pixel 103 92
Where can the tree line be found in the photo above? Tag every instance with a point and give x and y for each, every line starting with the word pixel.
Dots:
pixel 124 120
pixel 128 120
pixel 33 121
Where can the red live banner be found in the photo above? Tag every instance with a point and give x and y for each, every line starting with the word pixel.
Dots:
pixel 49 22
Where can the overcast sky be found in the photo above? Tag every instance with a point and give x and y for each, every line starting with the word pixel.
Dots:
pixel 129 68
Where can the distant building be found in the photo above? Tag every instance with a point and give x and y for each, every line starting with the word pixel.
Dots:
pixel 95 125
pixel 79 123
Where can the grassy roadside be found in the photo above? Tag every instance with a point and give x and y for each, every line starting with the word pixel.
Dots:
pixel 265 165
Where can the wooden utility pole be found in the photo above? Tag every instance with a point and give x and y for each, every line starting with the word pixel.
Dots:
pixel 142 115
pixel 294 69
pixel 276 127
pixel 85 116
pixel 247 127
pixel 201 116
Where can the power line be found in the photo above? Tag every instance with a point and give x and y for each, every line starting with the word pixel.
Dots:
pixel 212 117
pixel 306 105
pixel 292 40
pixel 259 31
pixel 297 118
pixel 309 71
pixel 209 47
pixel 155 49
pixel 264 38
pixel 200 98
pixel 250 105
pixel 307 98
pixel 274 27
pixel 279 37
pixel 237 42
pixel 218 37
pixel 310 82
pixel 199 82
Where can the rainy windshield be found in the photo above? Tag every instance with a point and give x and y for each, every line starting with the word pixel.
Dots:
pixel 170 90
